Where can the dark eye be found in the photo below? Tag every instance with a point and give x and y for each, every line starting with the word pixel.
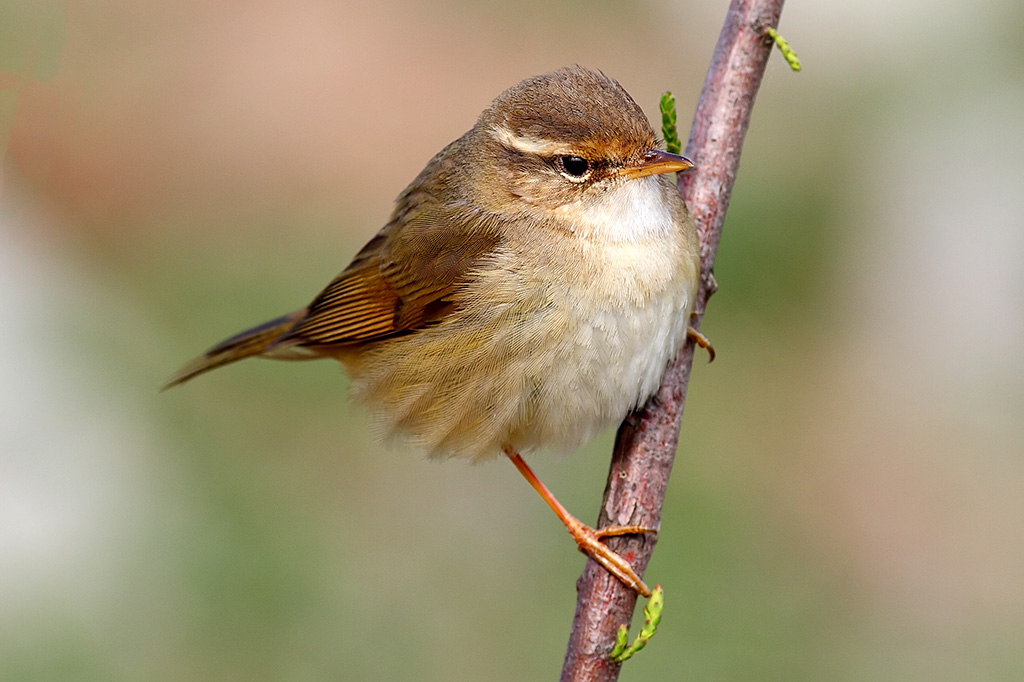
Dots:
pixel 574 167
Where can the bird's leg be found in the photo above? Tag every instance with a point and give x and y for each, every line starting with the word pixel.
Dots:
pixel 588 539
pixel 701 341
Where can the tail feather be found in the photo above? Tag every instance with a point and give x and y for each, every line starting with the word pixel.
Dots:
pixel 255 341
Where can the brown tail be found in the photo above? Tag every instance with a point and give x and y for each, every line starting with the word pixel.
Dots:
pixel 250 342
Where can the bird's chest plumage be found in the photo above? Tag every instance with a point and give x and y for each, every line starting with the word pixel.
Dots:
pixel 543 355
pixel 615 317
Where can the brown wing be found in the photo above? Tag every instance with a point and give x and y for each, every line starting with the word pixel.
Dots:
pixel 403 279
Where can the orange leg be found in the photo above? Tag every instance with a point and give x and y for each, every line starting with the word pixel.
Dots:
pixel 701 341
pixel 588 539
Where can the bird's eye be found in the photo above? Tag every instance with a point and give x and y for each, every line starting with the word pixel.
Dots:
pixel 574 168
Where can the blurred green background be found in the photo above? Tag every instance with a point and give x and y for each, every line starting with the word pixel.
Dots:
pixel 848 499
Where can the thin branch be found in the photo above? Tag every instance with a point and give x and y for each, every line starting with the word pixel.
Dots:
pixel 646 442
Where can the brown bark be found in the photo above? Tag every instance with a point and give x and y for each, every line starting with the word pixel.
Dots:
pixel 646 442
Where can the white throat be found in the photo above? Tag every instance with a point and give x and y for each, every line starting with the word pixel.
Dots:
pixel 631 211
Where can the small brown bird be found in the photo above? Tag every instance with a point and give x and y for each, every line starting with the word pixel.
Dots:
pixel 528 291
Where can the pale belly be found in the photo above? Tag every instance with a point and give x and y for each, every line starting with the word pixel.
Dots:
pixel 611 363
pixel 538 366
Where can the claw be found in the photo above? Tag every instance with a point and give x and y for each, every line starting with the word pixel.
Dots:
pixel 587 539
pixel 702 341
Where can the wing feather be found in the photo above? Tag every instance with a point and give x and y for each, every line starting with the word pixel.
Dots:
pixel 405 278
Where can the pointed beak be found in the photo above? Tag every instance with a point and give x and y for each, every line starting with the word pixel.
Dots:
pixel 654 162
